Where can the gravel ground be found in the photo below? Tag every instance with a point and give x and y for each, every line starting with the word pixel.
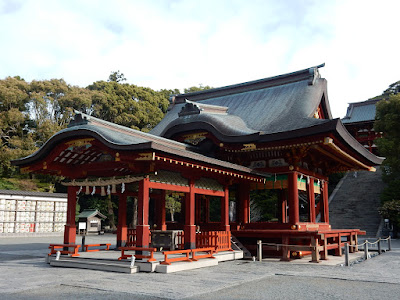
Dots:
pixel 25 275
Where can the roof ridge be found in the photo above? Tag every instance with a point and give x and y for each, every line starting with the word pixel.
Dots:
pixel 130 131
pixel 310 74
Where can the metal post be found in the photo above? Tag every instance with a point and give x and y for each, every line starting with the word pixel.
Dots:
pixel 259 250
pixel 346 255
pixel 389 243
pixel 366 249
pixel 83 242
pixel 379 246
pixel 133 261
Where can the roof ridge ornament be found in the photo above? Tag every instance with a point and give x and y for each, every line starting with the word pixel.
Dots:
pixel 189 109
pixel 79 119
pixel 314 74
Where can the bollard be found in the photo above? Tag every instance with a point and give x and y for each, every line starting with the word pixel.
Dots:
pixel 379 246
pixel 259 250
pixel 83 242
pixel 133 261
pixel 366 250
pixel 346 255
pixel 389 243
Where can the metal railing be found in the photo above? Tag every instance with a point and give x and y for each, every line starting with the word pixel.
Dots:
pixel 347 246
pixel 366 244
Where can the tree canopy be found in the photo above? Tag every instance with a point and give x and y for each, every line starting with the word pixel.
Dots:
pixel 31 112
pixel 388 122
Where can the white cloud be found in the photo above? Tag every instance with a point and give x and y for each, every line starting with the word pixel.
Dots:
pixel 177 44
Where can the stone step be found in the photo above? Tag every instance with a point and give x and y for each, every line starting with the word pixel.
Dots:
pixel 355 204
pixel 94 264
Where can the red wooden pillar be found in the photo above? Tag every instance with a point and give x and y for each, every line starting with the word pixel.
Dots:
pixel 225 210
pixel 142 229
pixel 244 202
pixel 70 227
pixel 190 227
pixel 325 199
pixel 284 203
pixel 293 198
pixel 160 207
pixel 311 200
pixel 122 230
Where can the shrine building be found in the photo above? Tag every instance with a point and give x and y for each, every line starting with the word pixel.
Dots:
pixel 359 121
pixel 223 145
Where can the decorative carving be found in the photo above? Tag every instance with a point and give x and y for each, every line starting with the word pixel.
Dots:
pixel 80 145
pixel 258 164
pixel 25 170
pixel 195 138
pixel 146 156
pixel 278 162
pixel 247 147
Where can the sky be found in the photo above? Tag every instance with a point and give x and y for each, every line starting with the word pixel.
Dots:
pixel 167 44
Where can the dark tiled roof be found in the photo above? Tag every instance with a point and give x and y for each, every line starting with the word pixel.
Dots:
pixel 267 106
pixel 32 194
pixel 87 213
pixel 360 112
pixel 123 138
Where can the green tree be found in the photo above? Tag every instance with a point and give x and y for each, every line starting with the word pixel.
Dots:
pixel 391 210
pixel 196 88
pixel 128 105
pixel 264 205
pixel 15 135
pixel 173 205
pixel 116 76
pixel 388 122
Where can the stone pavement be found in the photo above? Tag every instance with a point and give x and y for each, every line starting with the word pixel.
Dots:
pixel 25 275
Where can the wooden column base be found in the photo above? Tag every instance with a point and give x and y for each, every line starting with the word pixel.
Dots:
pixel 190 236
pixel 69 234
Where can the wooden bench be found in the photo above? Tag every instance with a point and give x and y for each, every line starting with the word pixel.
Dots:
pixel 150 257
pixel 86 247
pixel 54 248
pixel 168 261
pixel 209 253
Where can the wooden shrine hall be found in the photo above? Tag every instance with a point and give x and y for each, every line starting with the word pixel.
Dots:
pixel 274 134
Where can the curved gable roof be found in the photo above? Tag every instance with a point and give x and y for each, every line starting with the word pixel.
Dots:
pixel 361 112
pixel 267 106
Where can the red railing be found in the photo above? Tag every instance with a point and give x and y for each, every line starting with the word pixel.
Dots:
pixel 149 257
pixel 168 261
pixel 131 238
pixel 220 240
pixel 184 255
pixel 180 243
